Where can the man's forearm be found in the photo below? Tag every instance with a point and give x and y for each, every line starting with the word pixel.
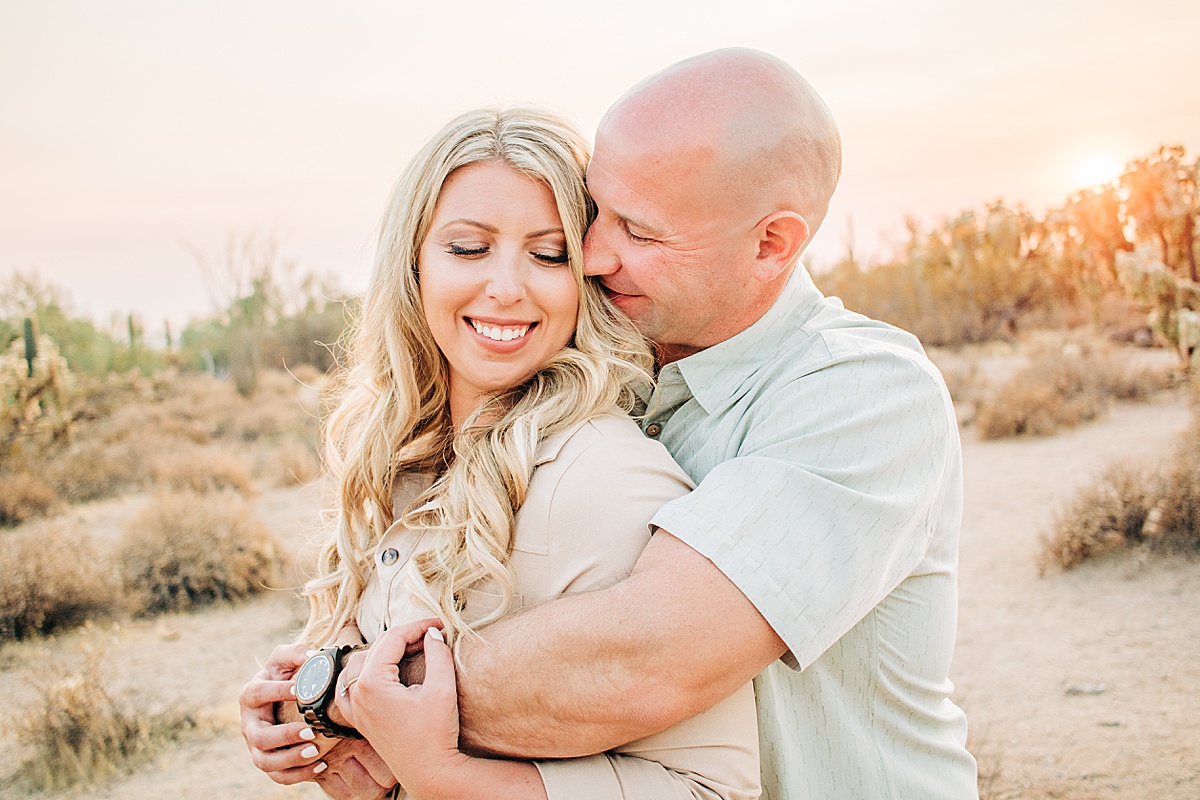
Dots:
pixel 587 672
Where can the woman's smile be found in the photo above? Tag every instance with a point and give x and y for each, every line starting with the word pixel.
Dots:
pixel 500 332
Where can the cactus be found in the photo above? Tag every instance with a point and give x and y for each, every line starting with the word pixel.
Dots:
pixel 167 326
pixel 31 348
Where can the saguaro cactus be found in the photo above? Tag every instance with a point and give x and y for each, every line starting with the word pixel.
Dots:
pixel 31 349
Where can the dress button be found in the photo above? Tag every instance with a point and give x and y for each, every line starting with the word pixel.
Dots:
pixel 389 556
pixel 653 429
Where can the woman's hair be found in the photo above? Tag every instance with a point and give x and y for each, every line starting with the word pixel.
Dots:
pixel 392 419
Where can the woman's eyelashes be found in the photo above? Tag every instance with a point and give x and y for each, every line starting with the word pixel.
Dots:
pixel 466 250
pixel 548 256
pixel 551 256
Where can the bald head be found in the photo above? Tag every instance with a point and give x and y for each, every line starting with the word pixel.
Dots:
pixel 745 128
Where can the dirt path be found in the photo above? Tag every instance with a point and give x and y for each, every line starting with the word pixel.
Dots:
pixel 1081 684
pixel 1127 625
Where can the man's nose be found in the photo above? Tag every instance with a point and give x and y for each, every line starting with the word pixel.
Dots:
pixel 598 257
pixel 506 281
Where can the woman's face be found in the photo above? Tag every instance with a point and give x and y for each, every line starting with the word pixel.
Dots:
pixel 496 287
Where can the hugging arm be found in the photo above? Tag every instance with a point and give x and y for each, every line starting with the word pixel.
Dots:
pixel 603 668
pixel 594 502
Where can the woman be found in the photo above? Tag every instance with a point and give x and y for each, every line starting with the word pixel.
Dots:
pixel 484 460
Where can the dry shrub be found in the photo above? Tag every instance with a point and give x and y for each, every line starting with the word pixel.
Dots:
pixel 295 463
pixel 24 495
pixel 78 731
pixel 187 550
pixel 1177 522
pixel 90 470
pixel 1064 386
pixel 201 470
pixel 1132 505
pixel 50 578
pixel 1105 516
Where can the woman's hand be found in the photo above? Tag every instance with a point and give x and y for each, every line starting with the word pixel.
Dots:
pixel 414 728
pixel 287 749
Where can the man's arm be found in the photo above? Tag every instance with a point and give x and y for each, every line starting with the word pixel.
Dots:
pixel 586 672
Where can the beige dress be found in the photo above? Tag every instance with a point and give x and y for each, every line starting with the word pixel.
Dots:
pixel 582 527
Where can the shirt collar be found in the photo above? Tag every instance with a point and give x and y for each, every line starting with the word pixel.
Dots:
pixel 715 374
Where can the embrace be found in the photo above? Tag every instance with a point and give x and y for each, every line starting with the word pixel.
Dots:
pixel 625 508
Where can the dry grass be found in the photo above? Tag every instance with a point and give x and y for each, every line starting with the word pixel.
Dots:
pixel 190 432
pixel 1064 386
pixel 24 495
pixel 50 579
pixel 294 463
pixel 78 731
pixel 188 550
pixel 201 469
pixel 1131 505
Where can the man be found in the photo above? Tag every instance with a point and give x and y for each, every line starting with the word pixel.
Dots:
pixel 818 553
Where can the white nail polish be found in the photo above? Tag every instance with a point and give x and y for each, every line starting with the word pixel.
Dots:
pixel 319 768
pixel 309 751
pixel 437 634
pixel 307 734
pixel 292 690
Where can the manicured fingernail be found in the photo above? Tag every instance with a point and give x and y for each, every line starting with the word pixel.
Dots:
pixel 310 653
pixel 319 768
pixel 436 634
pixel 309 751
pixel 292 690
pixel 307 734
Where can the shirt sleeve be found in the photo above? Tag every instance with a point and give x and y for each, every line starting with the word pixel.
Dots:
pixel 830 500
pixel 598 518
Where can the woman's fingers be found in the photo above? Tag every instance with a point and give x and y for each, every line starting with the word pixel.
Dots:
pixel 389 649
pixel 259 696
pixel 439 665
pixel 284 660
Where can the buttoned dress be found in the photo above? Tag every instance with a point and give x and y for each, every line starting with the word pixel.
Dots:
pixel 582 526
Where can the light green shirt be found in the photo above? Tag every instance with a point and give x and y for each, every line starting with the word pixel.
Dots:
pixel 829 490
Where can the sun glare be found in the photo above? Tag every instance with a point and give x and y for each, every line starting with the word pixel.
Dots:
pixel 1097 170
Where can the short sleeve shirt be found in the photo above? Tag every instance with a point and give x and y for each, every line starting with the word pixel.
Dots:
pixel 829 490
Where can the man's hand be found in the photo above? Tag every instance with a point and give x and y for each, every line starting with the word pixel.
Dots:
pixel 290 752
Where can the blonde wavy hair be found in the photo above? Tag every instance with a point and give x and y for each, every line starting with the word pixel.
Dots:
pixel 392 418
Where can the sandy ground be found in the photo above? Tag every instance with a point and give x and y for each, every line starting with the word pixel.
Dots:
pixel 1078 685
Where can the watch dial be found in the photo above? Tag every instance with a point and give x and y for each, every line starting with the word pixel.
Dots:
pixel 313 677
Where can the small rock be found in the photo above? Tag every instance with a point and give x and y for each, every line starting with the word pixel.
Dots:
pixel 1086 689
pixel 1110 724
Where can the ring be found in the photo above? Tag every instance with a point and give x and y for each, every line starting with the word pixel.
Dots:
pixel 344 688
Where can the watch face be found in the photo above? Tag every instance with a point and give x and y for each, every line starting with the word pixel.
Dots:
pixel 313 678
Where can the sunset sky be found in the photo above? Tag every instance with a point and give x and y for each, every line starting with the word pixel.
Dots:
pixel 133 134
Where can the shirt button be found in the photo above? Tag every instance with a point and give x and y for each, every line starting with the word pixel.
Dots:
pixel 389 556
pixel 653 429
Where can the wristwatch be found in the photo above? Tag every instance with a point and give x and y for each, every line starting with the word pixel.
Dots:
pixel 316 681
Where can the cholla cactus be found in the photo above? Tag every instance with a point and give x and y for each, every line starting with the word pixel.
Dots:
pixel 34 381
pixel 1174 300
pixel 1189 336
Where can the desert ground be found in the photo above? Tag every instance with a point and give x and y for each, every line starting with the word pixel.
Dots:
pixel 1078 685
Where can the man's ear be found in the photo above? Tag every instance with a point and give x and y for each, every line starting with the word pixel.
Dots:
pixel 781 237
